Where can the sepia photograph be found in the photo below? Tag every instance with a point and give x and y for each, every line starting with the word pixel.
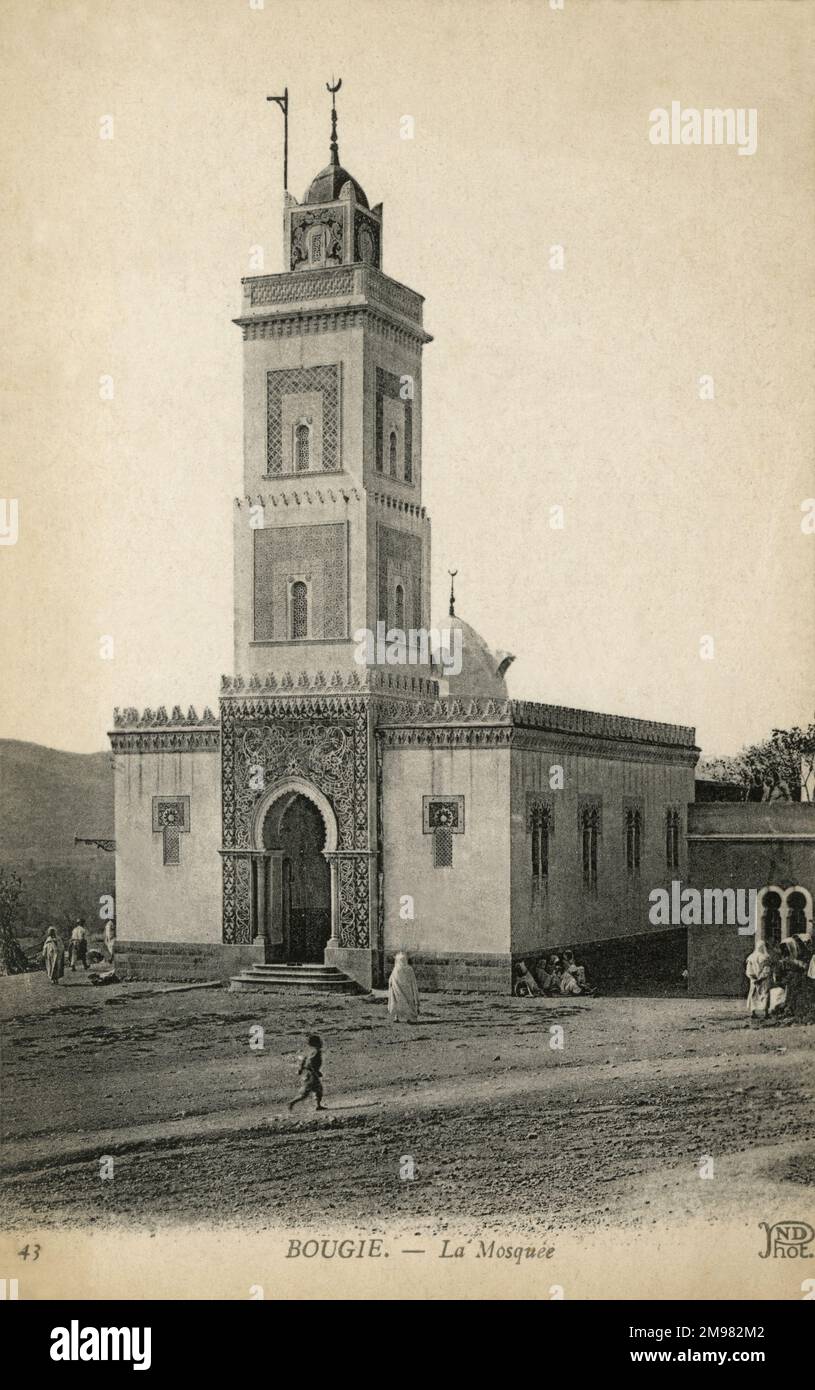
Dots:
pixel 393 910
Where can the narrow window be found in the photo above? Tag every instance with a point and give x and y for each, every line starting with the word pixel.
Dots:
pixel 540 828
pixel 299 610
pixel 589 832
pixel 633 839
pixel 302 449
pixel 672 829
pixel 392 448
pixel 408 466
pixel 399 608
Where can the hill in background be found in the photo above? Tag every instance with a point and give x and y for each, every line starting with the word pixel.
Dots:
pixel 46 798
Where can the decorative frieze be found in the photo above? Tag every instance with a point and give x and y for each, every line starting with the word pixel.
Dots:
pixel 305 321
pixel 156 731
pixel 561 719
pixel 165 740
pixel 334 282
pixel 366 679
pixel 442 737
pixel 132 718
pixel 306 496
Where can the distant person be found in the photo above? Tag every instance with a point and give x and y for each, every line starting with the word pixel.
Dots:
pixel 579 971
pixel 525 985
pixel 403 991
pixel 110 937
pixel 778 981
pixel 758 969
pixel 791 974
pixel 573 979
pixel 545 976
pixel 79 945
pixel 53 953
pixel 311 1069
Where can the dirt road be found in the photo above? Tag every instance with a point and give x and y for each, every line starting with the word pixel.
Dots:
pixel 491 1110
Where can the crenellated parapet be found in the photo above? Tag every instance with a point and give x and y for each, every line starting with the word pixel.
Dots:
pixel 398 504
pixel 156 731
pixel 302 497
pixel 365 680
pixel 524 724
pixel 132 718
pixel 563 720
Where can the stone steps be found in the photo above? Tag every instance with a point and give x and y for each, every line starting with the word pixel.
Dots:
pixel 297 976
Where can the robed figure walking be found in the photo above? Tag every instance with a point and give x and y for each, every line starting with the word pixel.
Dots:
pixel 53 953
pixel 403 991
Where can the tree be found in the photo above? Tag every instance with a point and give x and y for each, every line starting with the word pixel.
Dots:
pixel 12 957
pixel 782 767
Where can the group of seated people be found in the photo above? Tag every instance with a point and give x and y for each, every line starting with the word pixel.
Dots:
pixel 556 974
pixel 782 979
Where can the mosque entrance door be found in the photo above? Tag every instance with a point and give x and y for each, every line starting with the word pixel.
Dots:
pixel 306 879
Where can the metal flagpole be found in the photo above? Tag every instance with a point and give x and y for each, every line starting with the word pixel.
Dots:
pixel 283 103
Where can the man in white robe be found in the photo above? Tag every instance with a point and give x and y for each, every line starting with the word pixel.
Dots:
pixel 403 991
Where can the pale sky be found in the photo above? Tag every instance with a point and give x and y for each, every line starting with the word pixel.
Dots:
pixel 577 387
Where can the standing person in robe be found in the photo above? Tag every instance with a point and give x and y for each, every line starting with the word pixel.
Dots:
pixel 110 937
pixel 53 953
pixel 79 945
pixel 758 969
pixel 403 991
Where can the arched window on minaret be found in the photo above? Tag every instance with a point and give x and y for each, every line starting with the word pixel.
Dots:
pixel 299 610
pixel 317 247
pixel 399 608
pixel 302 449
pixel 393 449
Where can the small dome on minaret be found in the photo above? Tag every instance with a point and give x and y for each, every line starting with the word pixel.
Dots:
pixel 326 186
pixel 335 224
pixel 329 183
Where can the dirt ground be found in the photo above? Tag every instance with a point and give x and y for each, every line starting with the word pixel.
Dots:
pixel 498 1120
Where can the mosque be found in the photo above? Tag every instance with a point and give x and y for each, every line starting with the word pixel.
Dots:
pixel 333 813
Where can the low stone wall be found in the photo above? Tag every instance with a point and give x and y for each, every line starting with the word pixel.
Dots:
pixel 165 960
pixel 358 963
pixel 482 974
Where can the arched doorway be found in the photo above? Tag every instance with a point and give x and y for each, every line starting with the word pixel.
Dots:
pixel 772 918
pixel 294 834
pixel 783 912
pixel 297 830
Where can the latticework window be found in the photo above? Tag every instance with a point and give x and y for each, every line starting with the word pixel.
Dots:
pixel 302 449
pixel 299 609
pixel 589 835
pixel 442 849
pixel 633 838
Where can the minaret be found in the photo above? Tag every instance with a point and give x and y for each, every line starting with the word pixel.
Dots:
pixel 330 534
